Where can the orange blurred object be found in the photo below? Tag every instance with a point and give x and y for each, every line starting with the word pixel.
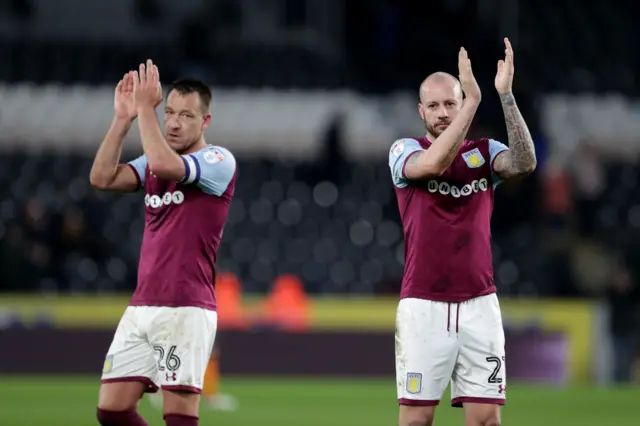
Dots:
pixel 287 306
pixel 231 313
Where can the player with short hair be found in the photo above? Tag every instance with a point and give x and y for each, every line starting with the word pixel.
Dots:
pixel 166 335
pixel 448 324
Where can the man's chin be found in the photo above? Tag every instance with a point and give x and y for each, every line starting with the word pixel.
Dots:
pixel 436 131
pixel 176 145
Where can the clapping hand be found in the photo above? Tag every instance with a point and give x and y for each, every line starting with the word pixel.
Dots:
pixel 467 80
pixel 123 102
pixel 504 76
pixel 147 90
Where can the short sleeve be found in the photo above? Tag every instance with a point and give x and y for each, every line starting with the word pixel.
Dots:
pixel 495 148
pixel 139 166
pixel 400 151
pixel 212 169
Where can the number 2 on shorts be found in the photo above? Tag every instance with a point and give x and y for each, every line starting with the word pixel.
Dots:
pixel 171 362
pixel 493 378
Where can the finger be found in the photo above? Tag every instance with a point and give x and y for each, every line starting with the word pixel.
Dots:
pixel 508 50
pixel 150 73
pixel 136 80
pixel 507 45
pixel 129 81
pixel 142 75
pixel 120 86
pixel 463 61
pixel 500 64
pixel 156 74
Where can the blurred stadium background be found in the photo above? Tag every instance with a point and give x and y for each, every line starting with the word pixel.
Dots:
pixel 309 95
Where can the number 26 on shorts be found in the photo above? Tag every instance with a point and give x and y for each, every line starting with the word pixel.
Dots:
pixel 167 359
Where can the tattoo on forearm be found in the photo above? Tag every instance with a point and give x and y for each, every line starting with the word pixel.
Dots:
pixel 522 152
pixel 453 151
pixel 413 159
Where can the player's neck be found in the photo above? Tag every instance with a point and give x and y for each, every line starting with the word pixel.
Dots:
pixel 431 137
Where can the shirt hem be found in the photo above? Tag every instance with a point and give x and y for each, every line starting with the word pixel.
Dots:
pixel 448 298
pixel 207 306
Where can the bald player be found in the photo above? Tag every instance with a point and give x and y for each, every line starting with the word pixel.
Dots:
pixel 448 324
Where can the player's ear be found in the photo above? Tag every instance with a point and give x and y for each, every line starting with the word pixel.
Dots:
pixel 206 122
pixel 421 111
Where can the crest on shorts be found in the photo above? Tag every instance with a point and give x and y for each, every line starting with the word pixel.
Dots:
pixel 414 383
pixel 473 158
pixel 108 364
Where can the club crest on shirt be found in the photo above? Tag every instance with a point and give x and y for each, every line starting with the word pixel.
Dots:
pixel 473 158
pixel 397 148
pixel 213 156
pixel 414 383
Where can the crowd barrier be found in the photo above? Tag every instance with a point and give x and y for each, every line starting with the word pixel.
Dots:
pixel 547 340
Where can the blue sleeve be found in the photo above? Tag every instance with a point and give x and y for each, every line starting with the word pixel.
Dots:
pixel 212 169
pixel 140 166
pixel 398 155
pixel 495 148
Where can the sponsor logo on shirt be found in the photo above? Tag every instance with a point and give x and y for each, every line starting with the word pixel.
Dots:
pixel 445 188
pixel 213 156
pixel 397 148
pixel 155 201
pixel 473 158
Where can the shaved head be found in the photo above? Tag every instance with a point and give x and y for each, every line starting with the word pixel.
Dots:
pixel 440 79
pixel 440 100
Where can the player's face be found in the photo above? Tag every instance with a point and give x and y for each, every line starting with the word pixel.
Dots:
pixel 184 120
pixel 440 103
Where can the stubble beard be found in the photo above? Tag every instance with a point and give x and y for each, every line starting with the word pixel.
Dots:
pixel 432 130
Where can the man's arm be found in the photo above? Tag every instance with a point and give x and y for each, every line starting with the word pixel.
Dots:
pixel 400 153
pixel 106 173
pixel 520 158
pixel 435 160
pixel 163 161
pixel 442 152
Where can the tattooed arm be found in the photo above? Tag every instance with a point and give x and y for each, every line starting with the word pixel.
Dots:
pixel 520 159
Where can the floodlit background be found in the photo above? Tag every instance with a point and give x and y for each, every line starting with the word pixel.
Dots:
pixel 309 95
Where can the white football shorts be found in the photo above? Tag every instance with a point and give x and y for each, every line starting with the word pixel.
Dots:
pixel 164 347
pixel 440 342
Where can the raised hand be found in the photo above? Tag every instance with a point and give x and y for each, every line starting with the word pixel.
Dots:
pixel 123 102
pixel 147 90
pixel 504 76
pixel 467 80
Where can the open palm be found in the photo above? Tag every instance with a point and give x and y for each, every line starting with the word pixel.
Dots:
pixel 124 103
pixel 504 76
pixel 147 90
